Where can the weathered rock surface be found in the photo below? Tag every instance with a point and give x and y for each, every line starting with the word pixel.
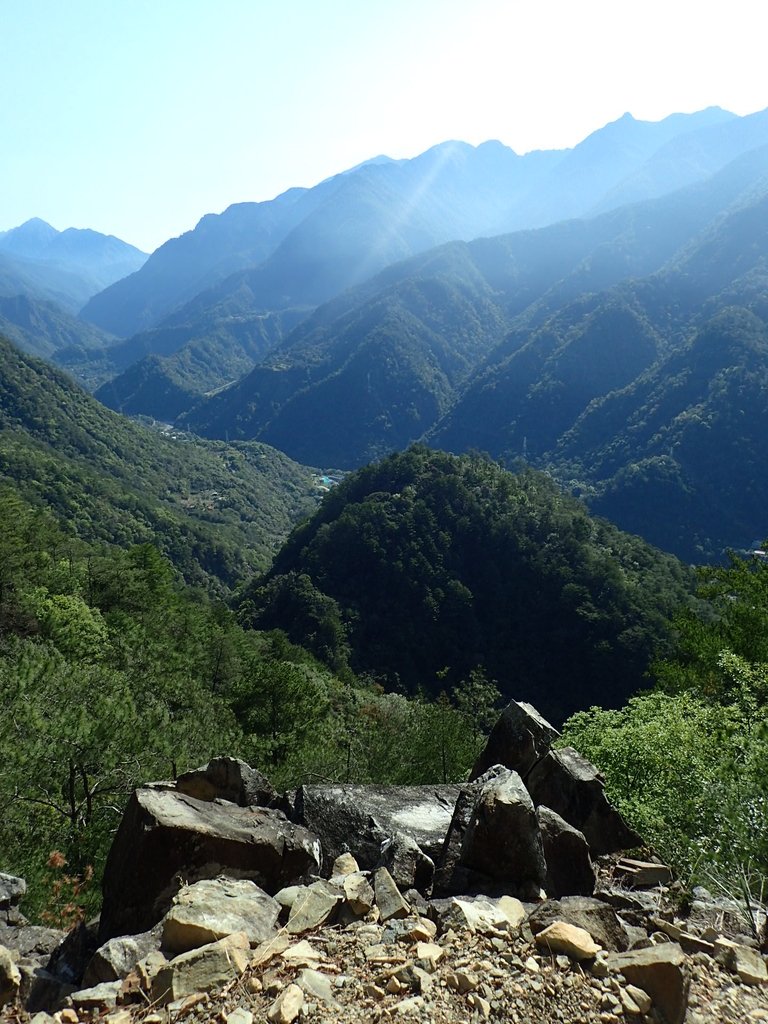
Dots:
pixel 12 889
pixel 409 866
pixel 573 788
pixel 10 977
pixel 314 905
pixel 662 972
pixel 97 997
pixel 166 838
pixel 501 845
pixel 360 819
pixel 741 960
pixel 31 940
pixel 389 900
pixel 595 917
pixel 570 871
pixel 212 908
pixel 228 778
pixel 519 739
pixel 202 969
pixel 118 957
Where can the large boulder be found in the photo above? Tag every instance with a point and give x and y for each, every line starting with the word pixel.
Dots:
pixel 167 839
pixel 451 876
pixel 212 908
pixel 494 841
pixel 519 739
pixel 570 871
pixel 361 819
pixel 573 788
pixel 228 778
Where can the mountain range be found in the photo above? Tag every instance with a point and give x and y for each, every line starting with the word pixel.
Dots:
pixel 308 245
pixel 66 266
pixel 553 307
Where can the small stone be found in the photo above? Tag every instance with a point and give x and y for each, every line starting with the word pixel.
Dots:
pixel 287 895
pixel 202 969
pixel 287 1007
pixel 640 998
pixel 69 1016
pixel 316 985
pixel 373 991
pixel 388 898
pixel 240 1016
pixel 313 907
pixel 358 892
pixel 394 987
pixel 412 1005
pixel 345 864
pixel 302 954
pixel 429 951
pixel 531 965
pixel 97 997
pixel 561 937
pixel 424 930
pixel 745 963
pixel 480 1005
pixel 512 909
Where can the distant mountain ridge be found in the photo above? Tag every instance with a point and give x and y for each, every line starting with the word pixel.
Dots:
pixel 309 244
pixel 66 266
pixel 515 345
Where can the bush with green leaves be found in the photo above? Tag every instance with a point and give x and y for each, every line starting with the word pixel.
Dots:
pixel 687 763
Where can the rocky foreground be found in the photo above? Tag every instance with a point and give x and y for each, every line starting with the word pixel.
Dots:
pixel 507 898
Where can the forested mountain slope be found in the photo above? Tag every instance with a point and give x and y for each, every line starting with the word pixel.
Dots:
pixel 376 368
pixel 218 510
pixel 206 291
pixel 426 566
pixel 646 397
pixel 309 244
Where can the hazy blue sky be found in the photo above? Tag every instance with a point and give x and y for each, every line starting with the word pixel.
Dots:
pixel 136 117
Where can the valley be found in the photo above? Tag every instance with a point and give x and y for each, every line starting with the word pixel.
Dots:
pixel 328 481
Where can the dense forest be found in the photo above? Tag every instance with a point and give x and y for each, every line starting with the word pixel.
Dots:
pixel 425 566
pixel 218 510
pixel 114 672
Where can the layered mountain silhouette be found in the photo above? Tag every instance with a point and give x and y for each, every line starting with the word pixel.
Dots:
pixel 65 266
pixel 550 307
pixel 509 345
pixel 308 245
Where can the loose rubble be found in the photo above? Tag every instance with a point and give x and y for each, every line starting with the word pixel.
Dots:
pixel 290 935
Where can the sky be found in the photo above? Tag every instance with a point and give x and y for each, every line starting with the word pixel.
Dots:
pixel 137 117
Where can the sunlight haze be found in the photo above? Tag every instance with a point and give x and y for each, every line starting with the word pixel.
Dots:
pixel 138 118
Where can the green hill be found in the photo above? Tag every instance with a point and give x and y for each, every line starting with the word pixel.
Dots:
pixel 217 510
pixel 426 566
